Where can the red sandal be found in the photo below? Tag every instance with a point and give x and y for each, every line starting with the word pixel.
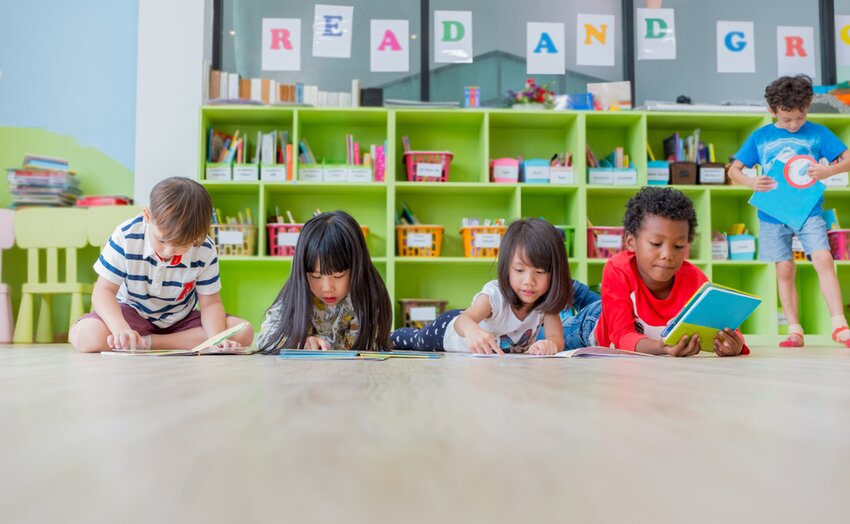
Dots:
pixel 845 342
pixel 794 340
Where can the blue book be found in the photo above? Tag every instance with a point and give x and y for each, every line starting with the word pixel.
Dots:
pixel 795 195
pixel 711 309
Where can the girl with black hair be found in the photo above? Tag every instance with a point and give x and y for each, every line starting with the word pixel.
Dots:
pixel 533 287
pixel 334 298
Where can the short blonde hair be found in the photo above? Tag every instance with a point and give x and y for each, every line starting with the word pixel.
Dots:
pixel 182 211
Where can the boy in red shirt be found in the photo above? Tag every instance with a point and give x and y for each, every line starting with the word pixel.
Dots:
pixel 646 285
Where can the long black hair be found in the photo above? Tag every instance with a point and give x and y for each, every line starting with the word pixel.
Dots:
pixel 541 246
pixel 334 241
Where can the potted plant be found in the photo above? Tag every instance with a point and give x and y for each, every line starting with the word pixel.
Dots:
pixel 532 96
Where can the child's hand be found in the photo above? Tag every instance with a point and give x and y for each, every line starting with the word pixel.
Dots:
pixel 480 341
pixel 229 344
pixel 762 183
pixel 685 347
pixel 818 171
pixel 316 343
pixel 543 347
pixel 728 343
pixel 125 339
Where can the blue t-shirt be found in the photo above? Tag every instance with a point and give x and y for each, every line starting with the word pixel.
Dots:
pixel 770 143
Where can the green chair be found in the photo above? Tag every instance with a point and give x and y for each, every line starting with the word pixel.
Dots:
pixel 102 221
pixel 46 231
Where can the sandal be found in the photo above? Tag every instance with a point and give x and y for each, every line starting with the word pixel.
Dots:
pixel 845 342
pixel 795 340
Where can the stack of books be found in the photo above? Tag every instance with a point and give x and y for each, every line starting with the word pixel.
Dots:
pixel 43 181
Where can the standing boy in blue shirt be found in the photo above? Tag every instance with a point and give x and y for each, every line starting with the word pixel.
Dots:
pixel 788 99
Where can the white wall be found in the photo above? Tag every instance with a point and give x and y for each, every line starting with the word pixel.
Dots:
pixel 175 42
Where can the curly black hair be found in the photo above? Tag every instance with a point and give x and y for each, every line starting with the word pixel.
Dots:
pixel 789 93
pixel 665 202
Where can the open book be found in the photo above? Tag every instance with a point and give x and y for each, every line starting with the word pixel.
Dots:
pixel 588 352
pixel 711 309
pixel 307 354
pixel 207 347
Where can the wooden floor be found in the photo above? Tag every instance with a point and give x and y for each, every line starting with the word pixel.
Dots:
pixel 90 438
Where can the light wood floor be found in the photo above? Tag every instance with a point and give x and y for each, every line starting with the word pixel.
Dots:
pixel 89 438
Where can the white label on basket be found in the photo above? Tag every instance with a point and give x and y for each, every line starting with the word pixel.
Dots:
pixel 218 173
pixel 287 239
pixel 719 250
pixel 506 172
pixel 273 174
pixel 609 241
pixel 625 177
pixel 712 175
pixel 230 238
pixel 487 240
pixel 796 245
pixel 537 173
pixel 246 173
pixel 420 239
pixel 310 174
pixel 736 247
pixel 561 175
pixel 424 313
pixel 658 174
pixel 429 170
pixel 839 180
pixel 601 176
pixel 335 174
pixel 359 174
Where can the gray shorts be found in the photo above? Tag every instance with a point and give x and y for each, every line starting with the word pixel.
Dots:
pixel 775 239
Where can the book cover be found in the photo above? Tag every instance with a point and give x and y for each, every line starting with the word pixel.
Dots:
pixel 795 195
pixel 712 308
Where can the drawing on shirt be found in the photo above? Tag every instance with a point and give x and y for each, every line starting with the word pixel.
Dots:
pixel 641 326
pixel 507 345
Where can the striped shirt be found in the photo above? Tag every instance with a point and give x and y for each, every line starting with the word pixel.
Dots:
pixel 163 292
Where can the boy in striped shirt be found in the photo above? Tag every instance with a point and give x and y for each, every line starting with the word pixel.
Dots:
pixel 153 272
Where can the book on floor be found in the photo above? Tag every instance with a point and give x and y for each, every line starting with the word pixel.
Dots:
pixel 588 352
pixel 207 347
pixel 712 308
pixel 308 354
pixel 796 193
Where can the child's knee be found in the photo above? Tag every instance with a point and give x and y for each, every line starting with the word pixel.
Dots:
pixel 785 270
pixel 89 336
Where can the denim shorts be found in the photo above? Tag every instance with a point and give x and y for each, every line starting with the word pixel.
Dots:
pixel 579 330
pixel 775 239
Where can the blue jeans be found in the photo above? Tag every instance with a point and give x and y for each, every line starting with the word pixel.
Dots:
pixel 775 239
pixel 578 330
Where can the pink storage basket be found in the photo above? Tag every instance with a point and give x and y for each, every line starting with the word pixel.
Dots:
pixel 504 170
pixel 413 158
pixel 604 242
pixel 839 243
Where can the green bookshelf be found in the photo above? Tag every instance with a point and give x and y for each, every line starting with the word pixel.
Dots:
pixel 475 136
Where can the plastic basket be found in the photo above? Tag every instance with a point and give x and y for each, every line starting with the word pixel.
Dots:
pixel 412 241
pixel 284 237
pixel 839 243
pixel 604 242
pixel 412 159
pixel 481 241
pixel 234 239
pixel 419 312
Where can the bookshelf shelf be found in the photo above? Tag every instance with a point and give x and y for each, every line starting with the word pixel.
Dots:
pixel 475 137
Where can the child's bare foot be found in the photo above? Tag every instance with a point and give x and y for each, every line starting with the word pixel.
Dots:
pixel 842 336
pixel 794 340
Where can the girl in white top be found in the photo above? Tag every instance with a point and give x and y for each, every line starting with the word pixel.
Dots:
pixel 534 285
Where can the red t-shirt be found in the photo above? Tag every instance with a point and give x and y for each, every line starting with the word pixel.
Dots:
pixel 630 312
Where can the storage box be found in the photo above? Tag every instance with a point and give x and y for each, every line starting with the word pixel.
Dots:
pixel 311 173
pixel 720 249
pixel 419 312
pixel 797 248
pixel 419 241
pixel 604 242
pixel 481 241
pixel 234 239
pixel 428 166
pixel 712 173
pixel 334 173
pixel 562 175
pixel 359 174
pixel 742 247
pixel 658 173
pixel 504 170
pixel 283 238
pixel 625 176
pixel 839 243
pixel 219 172
pixel 683 173
pixel 603 176
pixel 535 171
pixel 246 172
pixel 273 173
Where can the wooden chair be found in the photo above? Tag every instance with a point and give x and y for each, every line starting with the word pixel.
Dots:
pixel 47 231
pixel 102 221
pixel 7 239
